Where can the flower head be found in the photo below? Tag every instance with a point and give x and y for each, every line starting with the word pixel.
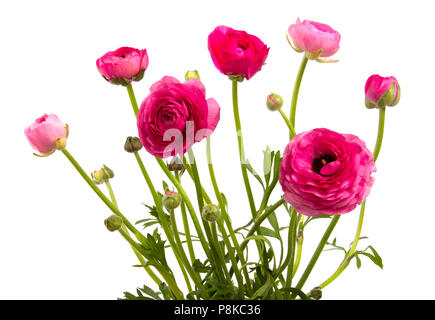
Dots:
pixel 381 91
pixel 175 115
pixel 325 172
pixel 123 65
pixel 47 134
pixel 236 53
pixel 314 38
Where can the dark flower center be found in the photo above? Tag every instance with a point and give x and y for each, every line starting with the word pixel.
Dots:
pixel 319 162
pixel 243 45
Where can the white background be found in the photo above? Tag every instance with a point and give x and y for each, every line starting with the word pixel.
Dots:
pixel 53 244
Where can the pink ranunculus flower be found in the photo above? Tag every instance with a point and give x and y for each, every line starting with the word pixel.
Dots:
pixel 123 65
pixel 47 134
pixel 236 53
pixel 324 172
pixel 381 91
pixel 175 115
pixel 314 38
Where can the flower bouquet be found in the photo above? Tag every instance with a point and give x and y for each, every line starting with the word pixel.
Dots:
pixel 321 174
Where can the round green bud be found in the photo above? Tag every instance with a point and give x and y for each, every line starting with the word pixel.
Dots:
pixel 192 74
pixel 113 223
pixel 108 173
pixel 274 102
pixel 316 293
pixel 171 200
pixel 132 144
pixel 211 212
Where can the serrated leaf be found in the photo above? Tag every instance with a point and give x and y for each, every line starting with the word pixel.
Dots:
pixel 150 292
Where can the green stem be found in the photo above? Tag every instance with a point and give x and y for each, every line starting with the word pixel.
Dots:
pixel 218 263
pixel 380 133
pixel 296 90
pixel 349 255
pixel 291 249
pixel 219 252
pixel 180 245
pixel 352 250
pixel 189 206
pixel 138 255
pixel 132 99
pixel 186 226
pixel 299 243
pixel 168 278
pixel 260 220
pixel 242 150
pixel 289 125
pixel 229 226
pixel 102 196
pixel 317 253
pixel 178 252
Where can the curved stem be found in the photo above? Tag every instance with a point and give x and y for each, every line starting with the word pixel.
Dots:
pixel 242 149
pixel 296 90
pixel 132 99
pixel 260 220
pixel 316 254
pixel 350 253
pixel 352 250
pixel 289 125
pixel 102 196
pixel 380 133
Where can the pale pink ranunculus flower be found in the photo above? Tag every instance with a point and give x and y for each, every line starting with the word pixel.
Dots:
pixel 314 38
pixel 325 172
pixel 47 134
pixel 381 91
pixel 236 52
pixel 175 115
pixel 123 65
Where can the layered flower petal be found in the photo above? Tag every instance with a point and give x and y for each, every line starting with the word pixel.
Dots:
pixel 324 172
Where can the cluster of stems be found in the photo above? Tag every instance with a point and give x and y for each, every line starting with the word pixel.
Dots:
pixel 228 259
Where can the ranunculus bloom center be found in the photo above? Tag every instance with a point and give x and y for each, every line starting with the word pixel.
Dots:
pixel 322 163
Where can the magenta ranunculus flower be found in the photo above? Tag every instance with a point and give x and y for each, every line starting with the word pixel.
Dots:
pixel 381 91
pixel 47 134
pixel 236 53
pixel 175 115
pixel 325 172
pixel 315 39
pixel 123 65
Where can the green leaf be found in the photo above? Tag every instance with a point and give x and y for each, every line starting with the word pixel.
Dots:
pixel 165 185
pixel 150 292
pixel 200 267
pixel 268 232
pixel 254 173
pixel 273 222
pixel 164 289
pixel 267 164
pixel 358 261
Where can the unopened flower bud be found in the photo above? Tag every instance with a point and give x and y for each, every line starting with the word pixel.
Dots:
pixel 211 212
pixel 176 164
pixel 132 144
pixel 192 74
pixel 102 175
pixel 113 223
pixel 274 102
pixel 171 200
pixel 381 92
pixel 316 293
